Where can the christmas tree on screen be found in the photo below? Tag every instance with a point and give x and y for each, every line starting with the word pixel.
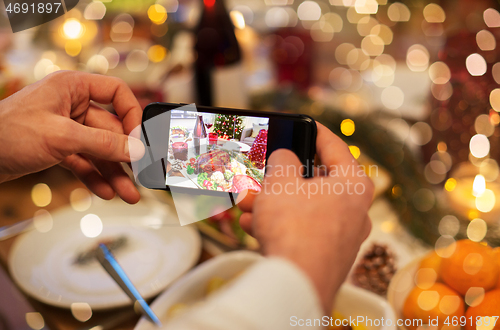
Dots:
pixel 228 126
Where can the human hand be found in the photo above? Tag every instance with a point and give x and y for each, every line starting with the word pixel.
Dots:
pixel 53 121
pixel 320 232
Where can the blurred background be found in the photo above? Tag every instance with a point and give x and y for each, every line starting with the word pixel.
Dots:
pixel 411 86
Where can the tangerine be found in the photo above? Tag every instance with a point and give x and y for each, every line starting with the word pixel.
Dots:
pixel 471 265
pixel 488 311
pixel 438 301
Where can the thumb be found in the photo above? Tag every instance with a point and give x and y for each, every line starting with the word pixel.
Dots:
pixel 107 145
pixel 283 163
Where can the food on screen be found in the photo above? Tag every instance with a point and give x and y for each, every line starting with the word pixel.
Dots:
pixel 230 157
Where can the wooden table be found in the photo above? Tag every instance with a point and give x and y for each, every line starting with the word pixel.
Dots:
pixel 15 205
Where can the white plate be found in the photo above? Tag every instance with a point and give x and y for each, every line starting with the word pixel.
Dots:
pixel 157 253
pixel 350 301
pixel 192 287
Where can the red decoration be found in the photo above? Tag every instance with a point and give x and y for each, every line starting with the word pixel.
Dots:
pixel 257 153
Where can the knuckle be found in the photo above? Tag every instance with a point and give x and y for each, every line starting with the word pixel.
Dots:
pixel 108 142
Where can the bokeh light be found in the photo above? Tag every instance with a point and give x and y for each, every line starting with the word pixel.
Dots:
pixel 35 320
pixel 334 20
pixel 94 11
pixel 425 278
pixel 478 185
pixel 342 51
pixel 355 152
pixel 495 99
pixel 428 299
pixel 483 125
pixel 157 53
pixel 439 73
pixel 91 225
pixel 81 311
pixel 449 225
pixel 486 201
pixel 420 133
pixel 417 58
pixel 473 262
pixel 277 17
pixel 111 55
pixel 365 25
pixel 72 28
pixel 445 246
pixel 366 6
pixel 42 221
pixel 309 11
pixel 98 64
pixel 489 169
pixel 347 127
pixel 392 97
pixel 238 19
pixel 372 45
pixel 491 18
pixel 476 230
pixel 41 195
pixel 474 296
pixel 137 60
pixel 486 40
pixel 73 47
pixel 322 31
pixel 157 14
pixel 449 304
pixel 479 146
pixel 433 13
pixel 398 12
pixel 383 32
pixel 476 65
pixel 450 184
pixel 80 199
pixel 442 92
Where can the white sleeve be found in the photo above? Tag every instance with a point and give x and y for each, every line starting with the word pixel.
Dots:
pixel 272 294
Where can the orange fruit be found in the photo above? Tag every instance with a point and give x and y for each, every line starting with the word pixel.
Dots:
pixel 471 265
pixel 490 306
pixel 496 251
pixel 438 301
pixel 433 261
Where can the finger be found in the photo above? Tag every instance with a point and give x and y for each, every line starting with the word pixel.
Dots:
pixel 105 89
pixel 283 163
pixel 319 171
pixel 331 149
pixel 100 118
pixel 367 228
pixel 246 199
pixel 87 174
pixel 246 222
pixel 118 180
pixel 97 142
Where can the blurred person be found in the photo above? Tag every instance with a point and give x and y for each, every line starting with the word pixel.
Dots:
pixel 310 244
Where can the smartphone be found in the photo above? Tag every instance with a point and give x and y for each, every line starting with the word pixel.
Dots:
pixel 214 151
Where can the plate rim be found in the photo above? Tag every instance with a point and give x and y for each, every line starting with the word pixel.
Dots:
pixel 97 306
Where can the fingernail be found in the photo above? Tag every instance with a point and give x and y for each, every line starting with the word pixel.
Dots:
pixel 134 149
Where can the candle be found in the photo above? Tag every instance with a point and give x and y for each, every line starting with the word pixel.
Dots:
pixel 472 196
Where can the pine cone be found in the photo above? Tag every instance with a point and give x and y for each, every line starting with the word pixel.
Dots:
pixel 375 270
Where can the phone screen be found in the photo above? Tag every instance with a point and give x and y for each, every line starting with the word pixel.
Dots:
pixel 216 151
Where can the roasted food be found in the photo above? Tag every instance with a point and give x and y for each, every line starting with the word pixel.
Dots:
pixel 215 160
